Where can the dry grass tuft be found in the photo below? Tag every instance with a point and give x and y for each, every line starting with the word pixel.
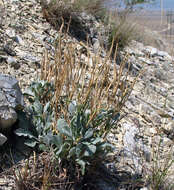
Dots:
pixel 98 82
pixel 41 172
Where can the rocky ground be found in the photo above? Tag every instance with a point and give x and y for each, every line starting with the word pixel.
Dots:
pixel 25 34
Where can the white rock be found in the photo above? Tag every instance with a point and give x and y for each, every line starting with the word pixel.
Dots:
pixel 145 60
pixel 10 33
pixel 3 139
pixel 169 126
pixel 8 117
pixel 11 60
pixel 19 40
pixel 152 131
pixel 164 54
pixel 144 188
pixel 150 50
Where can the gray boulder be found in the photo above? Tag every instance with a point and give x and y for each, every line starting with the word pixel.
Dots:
pixel 11 100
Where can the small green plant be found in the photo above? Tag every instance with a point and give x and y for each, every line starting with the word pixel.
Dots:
pixel 81 142
pixel 74 108
pixel 161 168
pixel 39 94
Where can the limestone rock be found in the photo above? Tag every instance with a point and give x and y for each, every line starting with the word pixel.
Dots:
pixel 3 139
pixel 11 99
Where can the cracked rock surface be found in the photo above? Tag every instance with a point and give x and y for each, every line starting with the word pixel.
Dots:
pixel 11 99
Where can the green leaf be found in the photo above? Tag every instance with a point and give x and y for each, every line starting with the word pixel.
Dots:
pixel 48 138
pixel 37 106
pixel 59 150
pixel 97 140
pixel 86 143
pixel 86 153
pixel 57 140
pixel 72 152
pixel 72 107
pixel 31 143
pixel 88 134
pixel 47 125
pixel 63 128
pixel 46 107
pixel 63 150
pixel 43 147
pixel 79 149
pixel 82 164
pixel 92 148
pixel 24 133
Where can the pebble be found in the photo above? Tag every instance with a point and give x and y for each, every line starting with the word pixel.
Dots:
pixel 3 139
pixel 19 40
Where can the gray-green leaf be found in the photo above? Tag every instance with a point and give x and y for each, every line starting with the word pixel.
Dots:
pixel 31 143
pixel 64 128
pixel 72 107
pixel 57 140
pixel 89 133
pixel 37 106
pixel 82 164
pixel 92 148
pixel 24 133
pixel 46 107
pixel 72 152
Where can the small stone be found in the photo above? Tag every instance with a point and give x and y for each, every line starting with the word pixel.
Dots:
pixel 159 74
pixel 3 139
pixel 166 142
pixel 96 45
pixel 164 54
pixel 8 117
pixel 11 60
pixel 19 40
pixel 170 105
pixel 144 188
pixel 10 33
pixel 152 131
pixel 151 50
pixel 156 140
pixel 146 61
pixel 9 50
pixel 170 126
pixel 16 65
pixel 31 58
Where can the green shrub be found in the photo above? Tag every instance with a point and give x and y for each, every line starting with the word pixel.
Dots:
pixel 81 142
pixel 75 107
